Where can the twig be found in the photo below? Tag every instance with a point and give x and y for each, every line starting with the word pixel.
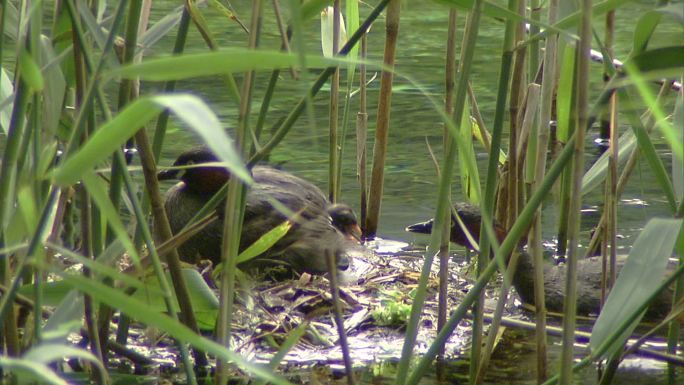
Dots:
pixel 337 312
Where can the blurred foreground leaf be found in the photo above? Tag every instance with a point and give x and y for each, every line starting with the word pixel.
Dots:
pixel 641 276
pixel 114 133
pixel 229 60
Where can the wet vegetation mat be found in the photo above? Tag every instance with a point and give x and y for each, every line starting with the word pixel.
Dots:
pixel 290 320
pixel 376 296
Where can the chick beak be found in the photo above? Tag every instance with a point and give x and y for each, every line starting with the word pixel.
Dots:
pixel 421 228
pixel 354 232
pixel 167 174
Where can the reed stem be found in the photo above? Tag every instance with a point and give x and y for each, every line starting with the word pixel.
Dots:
pixel 574 218
pixel 548 86
pixel 333 154
pixel 234 209
pixel 383 119
pixel 449 91
pixel 443 205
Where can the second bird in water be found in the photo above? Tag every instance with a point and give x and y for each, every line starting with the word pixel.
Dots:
pixel 588 270
pixel 317 225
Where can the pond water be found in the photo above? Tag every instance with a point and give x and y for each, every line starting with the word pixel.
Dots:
pixel 410 180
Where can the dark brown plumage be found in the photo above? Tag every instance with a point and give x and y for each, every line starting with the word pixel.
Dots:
pixel 317 225
pixel 588 271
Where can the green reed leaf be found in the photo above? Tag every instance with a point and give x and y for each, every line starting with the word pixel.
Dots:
pixel 114 133
pixel 141 312
pixel 30 71
pixel 638 280
pixel 265 242
pixel 215 63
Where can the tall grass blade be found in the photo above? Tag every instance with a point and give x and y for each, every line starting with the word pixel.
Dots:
pixel 443 205
pixel 548 85
pixel 114 133
pixel 491 181
pixel 54 91
pixel 641 276
pixel 6 100
pixel 565 92
pixel 678 163
pixel 97 192
pixel 265 242
pixel 11 20
pixel 469 174
pixel 159 30
pixel 332 25
pixel 205 304
pixel 228 60
pixel 292 338
pixel 598 171
pixel 35 364
pixel 581 104
pixel 647 149
pixel 142 313
pixel 66 319
pixel 235 207
pixel 668 57
pixel 100 267
pixel 31 71
pixel 352 12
